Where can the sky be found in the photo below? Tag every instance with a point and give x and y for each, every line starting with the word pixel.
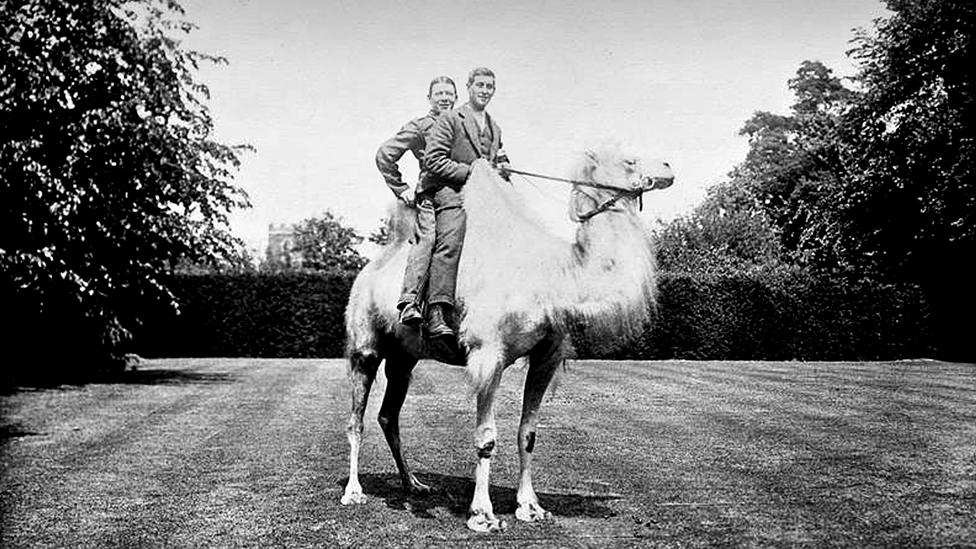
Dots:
pixel 316 86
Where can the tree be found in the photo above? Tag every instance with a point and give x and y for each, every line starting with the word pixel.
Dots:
pixel 797 163
pixel 729 232
pixel 108 174
pixel 913 204
pixel 324 243
pixel 910 212
pixel 383 234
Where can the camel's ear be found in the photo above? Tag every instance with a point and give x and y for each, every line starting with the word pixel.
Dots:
pixel 591 156
pixel 589 164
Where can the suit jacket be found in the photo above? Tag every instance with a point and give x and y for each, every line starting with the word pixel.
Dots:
pixel 453 144
pixel 411 137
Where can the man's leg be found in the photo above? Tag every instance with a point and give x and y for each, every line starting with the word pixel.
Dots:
pixel 418 261
pixel 451 222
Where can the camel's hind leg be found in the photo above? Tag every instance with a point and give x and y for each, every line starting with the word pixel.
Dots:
pixel 362 373
pixel 543 362
pixel 398 370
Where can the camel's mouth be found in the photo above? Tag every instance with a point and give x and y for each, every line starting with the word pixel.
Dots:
pixel 651 183
pixel 659 176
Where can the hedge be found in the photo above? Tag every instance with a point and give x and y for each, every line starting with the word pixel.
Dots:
pixel 781 316
pixel 778 316
pixel 250 315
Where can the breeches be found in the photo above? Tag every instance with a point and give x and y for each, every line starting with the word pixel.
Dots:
pixel 421 249
pixel 450 221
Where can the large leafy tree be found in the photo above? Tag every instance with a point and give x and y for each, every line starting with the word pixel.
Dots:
pixel 109 175
pixel 796 163
pixel 910 212
pixel 325 244
pixel 778 205
pixel 877 181
pixel 912 207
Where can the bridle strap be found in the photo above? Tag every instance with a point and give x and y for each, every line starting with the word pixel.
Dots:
pixel 608 204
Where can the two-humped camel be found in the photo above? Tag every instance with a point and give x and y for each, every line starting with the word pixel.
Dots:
pixel 518 286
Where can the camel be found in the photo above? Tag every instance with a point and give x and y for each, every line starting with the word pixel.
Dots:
pixel 518 288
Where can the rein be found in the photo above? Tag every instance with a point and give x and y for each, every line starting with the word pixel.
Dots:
pixel 621 193
pixel 572 181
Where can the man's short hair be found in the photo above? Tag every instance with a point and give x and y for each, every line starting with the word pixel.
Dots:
pixel 441 80
pixel 480 71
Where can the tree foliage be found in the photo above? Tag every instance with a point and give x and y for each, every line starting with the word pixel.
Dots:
pixel 796 163
pixel 876 181
pixel 383 234
pixel 109 175
pixel 728 233
pixel 777 205
pixel 325 244
pixel 910 210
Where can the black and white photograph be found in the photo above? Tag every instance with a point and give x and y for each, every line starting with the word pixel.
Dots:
pixel 575 273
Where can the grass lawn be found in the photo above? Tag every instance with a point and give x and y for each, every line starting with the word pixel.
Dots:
pixel 246 452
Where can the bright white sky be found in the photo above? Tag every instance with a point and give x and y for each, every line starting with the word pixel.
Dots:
pixel 317 85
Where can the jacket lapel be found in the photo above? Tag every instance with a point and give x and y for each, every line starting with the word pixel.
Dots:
pixel 470 128
pixel 496 135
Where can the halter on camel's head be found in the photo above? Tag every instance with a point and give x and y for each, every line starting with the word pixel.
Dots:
pixel 610 180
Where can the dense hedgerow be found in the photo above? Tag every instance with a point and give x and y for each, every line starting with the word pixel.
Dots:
pixel 749 316
pixel 776 316
pixel 251 315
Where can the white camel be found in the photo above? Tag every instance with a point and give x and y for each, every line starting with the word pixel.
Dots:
pixel 518 286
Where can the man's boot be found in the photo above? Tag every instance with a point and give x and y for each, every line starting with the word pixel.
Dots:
pixel 410 314
pixel 437 324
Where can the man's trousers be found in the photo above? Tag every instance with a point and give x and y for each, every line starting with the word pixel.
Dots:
pixel 436 248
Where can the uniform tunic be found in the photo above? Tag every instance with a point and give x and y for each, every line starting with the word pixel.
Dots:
pixel 411 137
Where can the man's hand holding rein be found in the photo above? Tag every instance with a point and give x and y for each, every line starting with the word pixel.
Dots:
pixel 409 197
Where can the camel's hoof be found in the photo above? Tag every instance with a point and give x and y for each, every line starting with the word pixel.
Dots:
pixel 353 498
pixel 479 522
pixel 417 488
pixel 532 512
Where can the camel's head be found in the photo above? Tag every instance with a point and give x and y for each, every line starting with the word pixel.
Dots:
pixel 619 179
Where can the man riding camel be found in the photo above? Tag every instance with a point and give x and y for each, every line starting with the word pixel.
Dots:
pixel 458 138
pixel 442 94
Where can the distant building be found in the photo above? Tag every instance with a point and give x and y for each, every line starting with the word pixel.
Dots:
pixel 281 246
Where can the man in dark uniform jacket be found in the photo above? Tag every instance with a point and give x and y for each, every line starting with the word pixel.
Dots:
pixel 458 138
pixel 413 137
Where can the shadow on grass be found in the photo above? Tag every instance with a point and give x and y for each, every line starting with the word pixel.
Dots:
pixel 454 494
pixel 16 430
pixel 160 376
pixel 149 376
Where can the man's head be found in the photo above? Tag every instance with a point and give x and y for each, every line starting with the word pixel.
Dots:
pixel 442 94
pixel 481 87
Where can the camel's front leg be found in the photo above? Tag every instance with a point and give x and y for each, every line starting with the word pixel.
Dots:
pixel 398 381
pixel 482 516
pixel 543 362
pixel 362 373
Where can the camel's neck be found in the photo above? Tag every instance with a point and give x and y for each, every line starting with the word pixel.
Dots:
pixel 614 265
pixel 512 265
